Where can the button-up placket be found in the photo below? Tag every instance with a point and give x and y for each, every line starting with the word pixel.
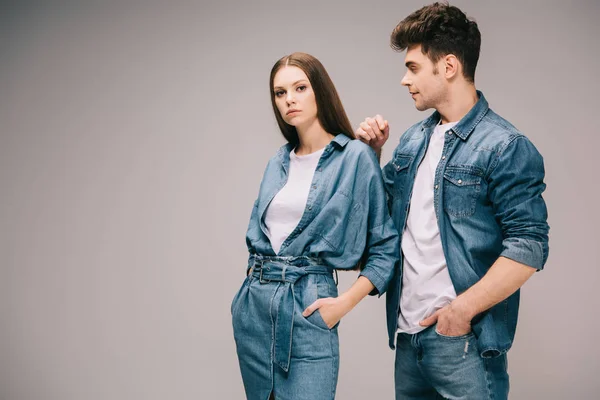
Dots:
pixel 438 184
pixel 313 197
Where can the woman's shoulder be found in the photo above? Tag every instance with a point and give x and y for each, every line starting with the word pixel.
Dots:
pixel 280 154
pixel 360 151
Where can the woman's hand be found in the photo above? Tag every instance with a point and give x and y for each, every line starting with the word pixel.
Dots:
pixel 332 309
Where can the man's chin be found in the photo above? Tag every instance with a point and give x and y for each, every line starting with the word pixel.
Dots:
pixel 422 107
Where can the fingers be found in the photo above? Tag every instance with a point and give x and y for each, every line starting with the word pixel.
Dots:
pixel 374 132
pixel 312 308
pixel 430 320
pixel 381 123
pixel 368 129
pixel 374 128
pixel 362 136
pixel 386 130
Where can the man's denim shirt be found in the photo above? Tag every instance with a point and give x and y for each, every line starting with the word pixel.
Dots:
pixel 488 203
pixel 346 213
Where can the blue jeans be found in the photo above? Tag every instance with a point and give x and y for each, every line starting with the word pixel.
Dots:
pixel 433 366
pixel 280 350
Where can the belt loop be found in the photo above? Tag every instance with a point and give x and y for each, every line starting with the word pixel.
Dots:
pixel 336 277
pixel 260 277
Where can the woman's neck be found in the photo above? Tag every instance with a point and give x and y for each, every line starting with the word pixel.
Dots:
pixel 312 138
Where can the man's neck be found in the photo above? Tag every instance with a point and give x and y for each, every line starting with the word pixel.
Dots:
pixel 459 102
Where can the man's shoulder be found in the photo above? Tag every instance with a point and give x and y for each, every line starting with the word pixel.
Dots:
pixel 417 130
pixel 412 138
pixel 494 132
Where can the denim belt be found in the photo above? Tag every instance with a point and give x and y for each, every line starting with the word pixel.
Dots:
pixel 287 271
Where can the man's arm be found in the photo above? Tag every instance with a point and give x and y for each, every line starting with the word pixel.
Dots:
pixel 503 278
pixel 515 186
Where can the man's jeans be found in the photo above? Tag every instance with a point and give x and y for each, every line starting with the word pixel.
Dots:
pixel 432 366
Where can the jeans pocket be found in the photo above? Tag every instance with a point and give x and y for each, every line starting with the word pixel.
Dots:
pixel 318 287
pixel 318 320
pixel 465 336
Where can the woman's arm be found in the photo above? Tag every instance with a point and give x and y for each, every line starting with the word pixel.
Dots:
pixel 333 309
pixel 382 244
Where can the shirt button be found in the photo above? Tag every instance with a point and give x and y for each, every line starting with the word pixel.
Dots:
pixel 449 132
pixel 436 186
pixel 314 186
pixel 443 157
pixel 320 170
pixel 310 207
pixel 459 181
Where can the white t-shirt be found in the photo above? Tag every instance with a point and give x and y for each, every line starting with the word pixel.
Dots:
pixel 426 284
pixel 287 207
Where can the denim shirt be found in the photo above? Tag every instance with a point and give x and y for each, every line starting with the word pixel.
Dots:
pixel 488 203
pixel 345 216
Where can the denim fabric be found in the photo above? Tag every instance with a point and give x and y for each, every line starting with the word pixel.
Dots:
pixel 278 348
pixel 346 219
pixel 433 366
pixel 488 203
pixel 346 212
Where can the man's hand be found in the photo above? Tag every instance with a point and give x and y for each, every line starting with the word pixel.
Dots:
pixel 503 278
pixel 452 320
pixel 374 132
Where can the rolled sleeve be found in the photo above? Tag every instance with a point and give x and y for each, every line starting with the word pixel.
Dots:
pixel 528 252
pixel 382 256
pixel 516 187
pixel 382 245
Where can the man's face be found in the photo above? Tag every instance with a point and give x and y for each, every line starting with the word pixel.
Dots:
pixel 424 79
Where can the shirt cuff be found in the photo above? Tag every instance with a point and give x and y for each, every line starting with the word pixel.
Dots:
pixel 525 251
pixel 376 279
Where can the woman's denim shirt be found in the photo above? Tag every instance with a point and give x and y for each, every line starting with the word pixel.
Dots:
pixel 346 214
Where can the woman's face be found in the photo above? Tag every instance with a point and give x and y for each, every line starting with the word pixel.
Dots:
pixel 294 96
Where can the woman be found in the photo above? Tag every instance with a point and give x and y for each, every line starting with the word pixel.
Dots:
pixel 321 207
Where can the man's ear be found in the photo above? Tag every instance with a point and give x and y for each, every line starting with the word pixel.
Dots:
pixel 452 66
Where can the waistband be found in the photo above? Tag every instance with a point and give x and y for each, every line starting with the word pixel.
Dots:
pixel 286 271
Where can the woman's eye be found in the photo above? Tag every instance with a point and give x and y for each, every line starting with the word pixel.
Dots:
pixel 301 88
pixel 279 93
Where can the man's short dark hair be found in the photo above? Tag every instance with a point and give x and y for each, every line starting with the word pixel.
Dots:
pixel 441 29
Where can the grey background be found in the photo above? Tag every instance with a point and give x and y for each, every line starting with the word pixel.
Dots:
pixel 133 140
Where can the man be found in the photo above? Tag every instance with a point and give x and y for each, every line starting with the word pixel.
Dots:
pixel 465 192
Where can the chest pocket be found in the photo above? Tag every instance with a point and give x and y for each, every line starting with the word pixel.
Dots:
pixel 400 165
pixel 462 186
